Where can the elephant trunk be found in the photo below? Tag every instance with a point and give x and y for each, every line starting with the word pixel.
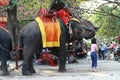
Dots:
pixel 89 33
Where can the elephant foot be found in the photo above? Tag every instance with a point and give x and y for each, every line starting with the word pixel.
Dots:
pixel 26 73
pixel 62 70
pixel 5 73
pixel 32 71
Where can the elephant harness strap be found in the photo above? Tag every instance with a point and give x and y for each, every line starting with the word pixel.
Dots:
pixel 50 31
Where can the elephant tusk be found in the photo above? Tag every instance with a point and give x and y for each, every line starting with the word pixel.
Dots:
pixel 70 30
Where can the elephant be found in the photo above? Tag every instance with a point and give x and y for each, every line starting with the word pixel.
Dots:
pixel 5 48
pixel 89 30
pixel 30 41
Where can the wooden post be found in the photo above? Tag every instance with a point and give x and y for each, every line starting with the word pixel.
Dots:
pixel 16 61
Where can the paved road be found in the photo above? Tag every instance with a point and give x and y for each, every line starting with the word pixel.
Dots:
pixel 107 70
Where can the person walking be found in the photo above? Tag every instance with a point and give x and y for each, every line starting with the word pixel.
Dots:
pixel 105 50
pixel 102 51
pixel 94 49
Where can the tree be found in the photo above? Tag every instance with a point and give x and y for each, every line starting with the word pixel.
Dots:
pixel 12 21
pixel 107 17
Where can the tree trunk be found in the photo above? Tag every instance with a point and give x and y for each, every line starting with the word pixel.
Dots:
pixel 12 24
pixel 12 27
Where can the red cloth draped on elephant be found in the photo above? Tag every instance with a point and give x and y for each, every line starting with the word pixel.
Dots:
pixel 63 14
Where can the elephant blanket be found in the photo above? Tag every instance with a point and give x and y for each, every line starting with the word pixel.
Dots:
pixel 50 30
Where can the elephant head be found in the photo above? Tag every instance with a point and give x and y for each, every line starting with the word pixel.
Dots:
pixel 75 12
pixel 82 29
pixel 89 29
pixel 75 30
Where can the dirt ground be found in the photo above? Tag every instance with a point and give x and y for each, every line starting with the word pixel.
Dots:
pixel 107 70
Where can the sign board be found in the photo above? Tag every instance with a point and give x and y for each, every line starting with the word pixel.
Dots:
pixel 4 2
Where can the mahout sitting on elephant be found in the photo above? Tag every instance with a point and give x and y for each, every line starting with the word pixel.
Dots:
pixel 5 48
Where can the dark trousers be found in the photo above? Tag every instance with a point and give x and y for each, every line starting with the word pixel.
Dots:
pixel 103 55
pixel 94 59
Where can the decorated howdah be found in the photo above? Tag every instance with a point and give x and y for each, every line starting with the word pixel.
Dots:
pixel 50 34
pixel 4 2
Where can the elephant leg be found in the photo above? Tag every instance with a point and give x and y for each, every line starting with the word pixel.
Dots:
pixel 32 70
pixel 4 65
pixel 62 59
pixel 27 61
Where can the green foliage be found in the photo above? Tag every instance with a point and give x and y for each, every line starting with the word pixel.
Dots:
pixel 71 2
pixel 108 19
pixel 30 8
pixel 13 3
pixel 110 26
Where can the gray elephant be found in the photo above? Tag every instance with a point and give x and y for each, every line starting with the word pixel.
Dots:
pixel 88 33
pixel 5 48
pixel 30 41
pixel 89 27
